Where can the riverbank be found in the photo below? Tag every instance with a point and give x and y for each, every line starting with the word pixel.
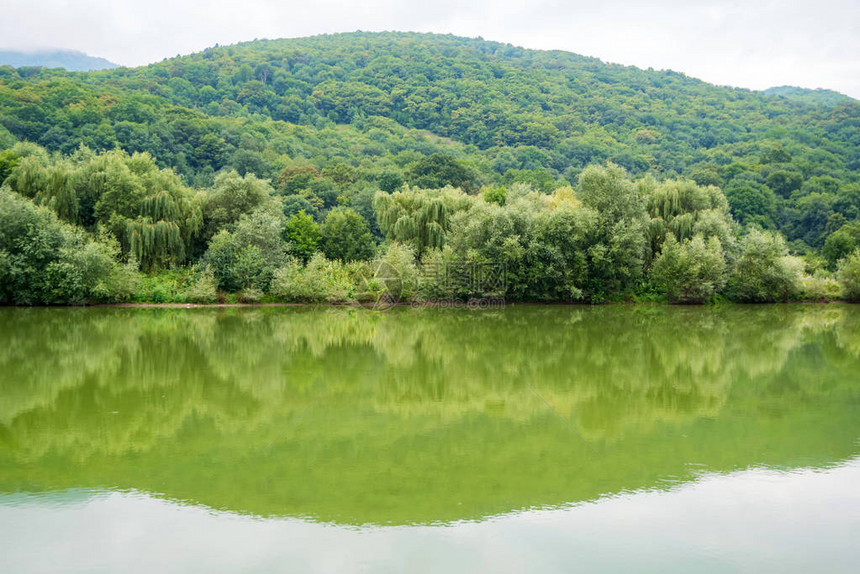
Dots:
pixel 476 304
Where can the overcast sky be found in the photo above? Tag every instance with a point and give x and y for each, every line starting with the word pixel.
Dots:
pixel 752 44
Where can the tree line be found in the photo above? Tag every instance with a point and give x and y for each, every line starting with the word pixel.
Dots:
pixel 111 226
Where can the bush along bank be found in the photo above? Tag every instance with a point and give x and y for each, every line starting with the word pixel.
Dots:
pixel 114 228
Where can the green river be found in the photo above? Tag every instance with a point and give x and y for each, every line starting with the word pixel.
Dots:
pixel 518 439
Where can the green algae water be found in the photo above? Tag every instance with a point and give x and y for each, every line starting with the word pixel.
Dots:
pixel 539 439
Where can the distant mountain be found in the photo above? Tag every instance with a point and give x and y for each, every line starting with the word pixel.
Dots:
pixel 819 96
pixel 71 60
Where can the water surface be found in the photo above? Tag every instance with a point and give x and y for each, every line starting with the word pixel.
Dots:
pixel 341 439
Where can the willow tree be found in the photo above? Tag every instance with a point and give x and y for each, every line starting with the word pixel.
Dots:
pixel 155 243
pixel 28 176
pixel 158 236
pixel 49 182
pixel 420 218
pixel 685 209
pixel 59 192
pixel 153 215
pixel 148 210
pixel 107 188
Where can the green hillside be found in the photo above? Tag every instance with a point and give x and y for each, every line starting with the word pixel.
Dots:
pixel 330 120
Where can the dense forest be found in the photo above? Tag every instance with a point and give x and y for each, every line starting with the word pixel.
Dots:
pixel 356 167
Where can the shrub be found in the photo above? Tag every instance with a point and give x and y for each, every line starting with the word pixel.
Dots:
pixel 154 289
pixel 247 257
pixel 121 282
pixel 849 276
pixel 434 278
pixel 204 289
pixel 692 271
pixel 765 272
pixel 396 272
pixel 287 284
pixel 250 295
pixel 43 260
pixel 818 287
pixel 321 280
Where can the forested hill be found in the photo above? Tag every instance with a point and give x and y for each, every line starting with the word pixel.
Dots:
pixel 378 102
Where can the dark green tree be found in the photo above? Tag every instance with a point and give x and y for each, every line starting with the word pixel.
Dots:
pixel 439 170
pixel 345 236
pixel 304 235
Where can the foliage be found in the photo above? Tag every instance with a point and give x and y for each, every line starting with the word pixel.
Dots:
pixel 397 272
pixel 8 160
pixel 764 271
pixel 147 209
pixel 820 287
pixel 204 289
pixel 44 261
pixel 250 295
pixel 685 209
pixel 237 156
pixel 247 257
pixel 536 244
pixel 849 276
pixel 441 170
pixel 495 195
pixel 230 198
pixel 320 281
pixel 304 235
pixel 155 243
pixel 841 243
pixel 333 113
pixel 417 217
pixel 690 271
pixel 345 236
pixel 618 254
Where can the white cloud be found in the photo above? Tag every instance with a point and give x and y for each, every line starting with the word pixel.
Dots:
pixel 749 44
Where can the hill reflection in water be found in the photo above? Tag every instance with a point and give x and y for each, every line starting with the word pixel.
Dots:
pixel 419 416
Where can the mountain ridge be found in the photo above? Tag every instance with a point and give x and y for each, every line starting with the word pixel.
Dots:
pixel 71 60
